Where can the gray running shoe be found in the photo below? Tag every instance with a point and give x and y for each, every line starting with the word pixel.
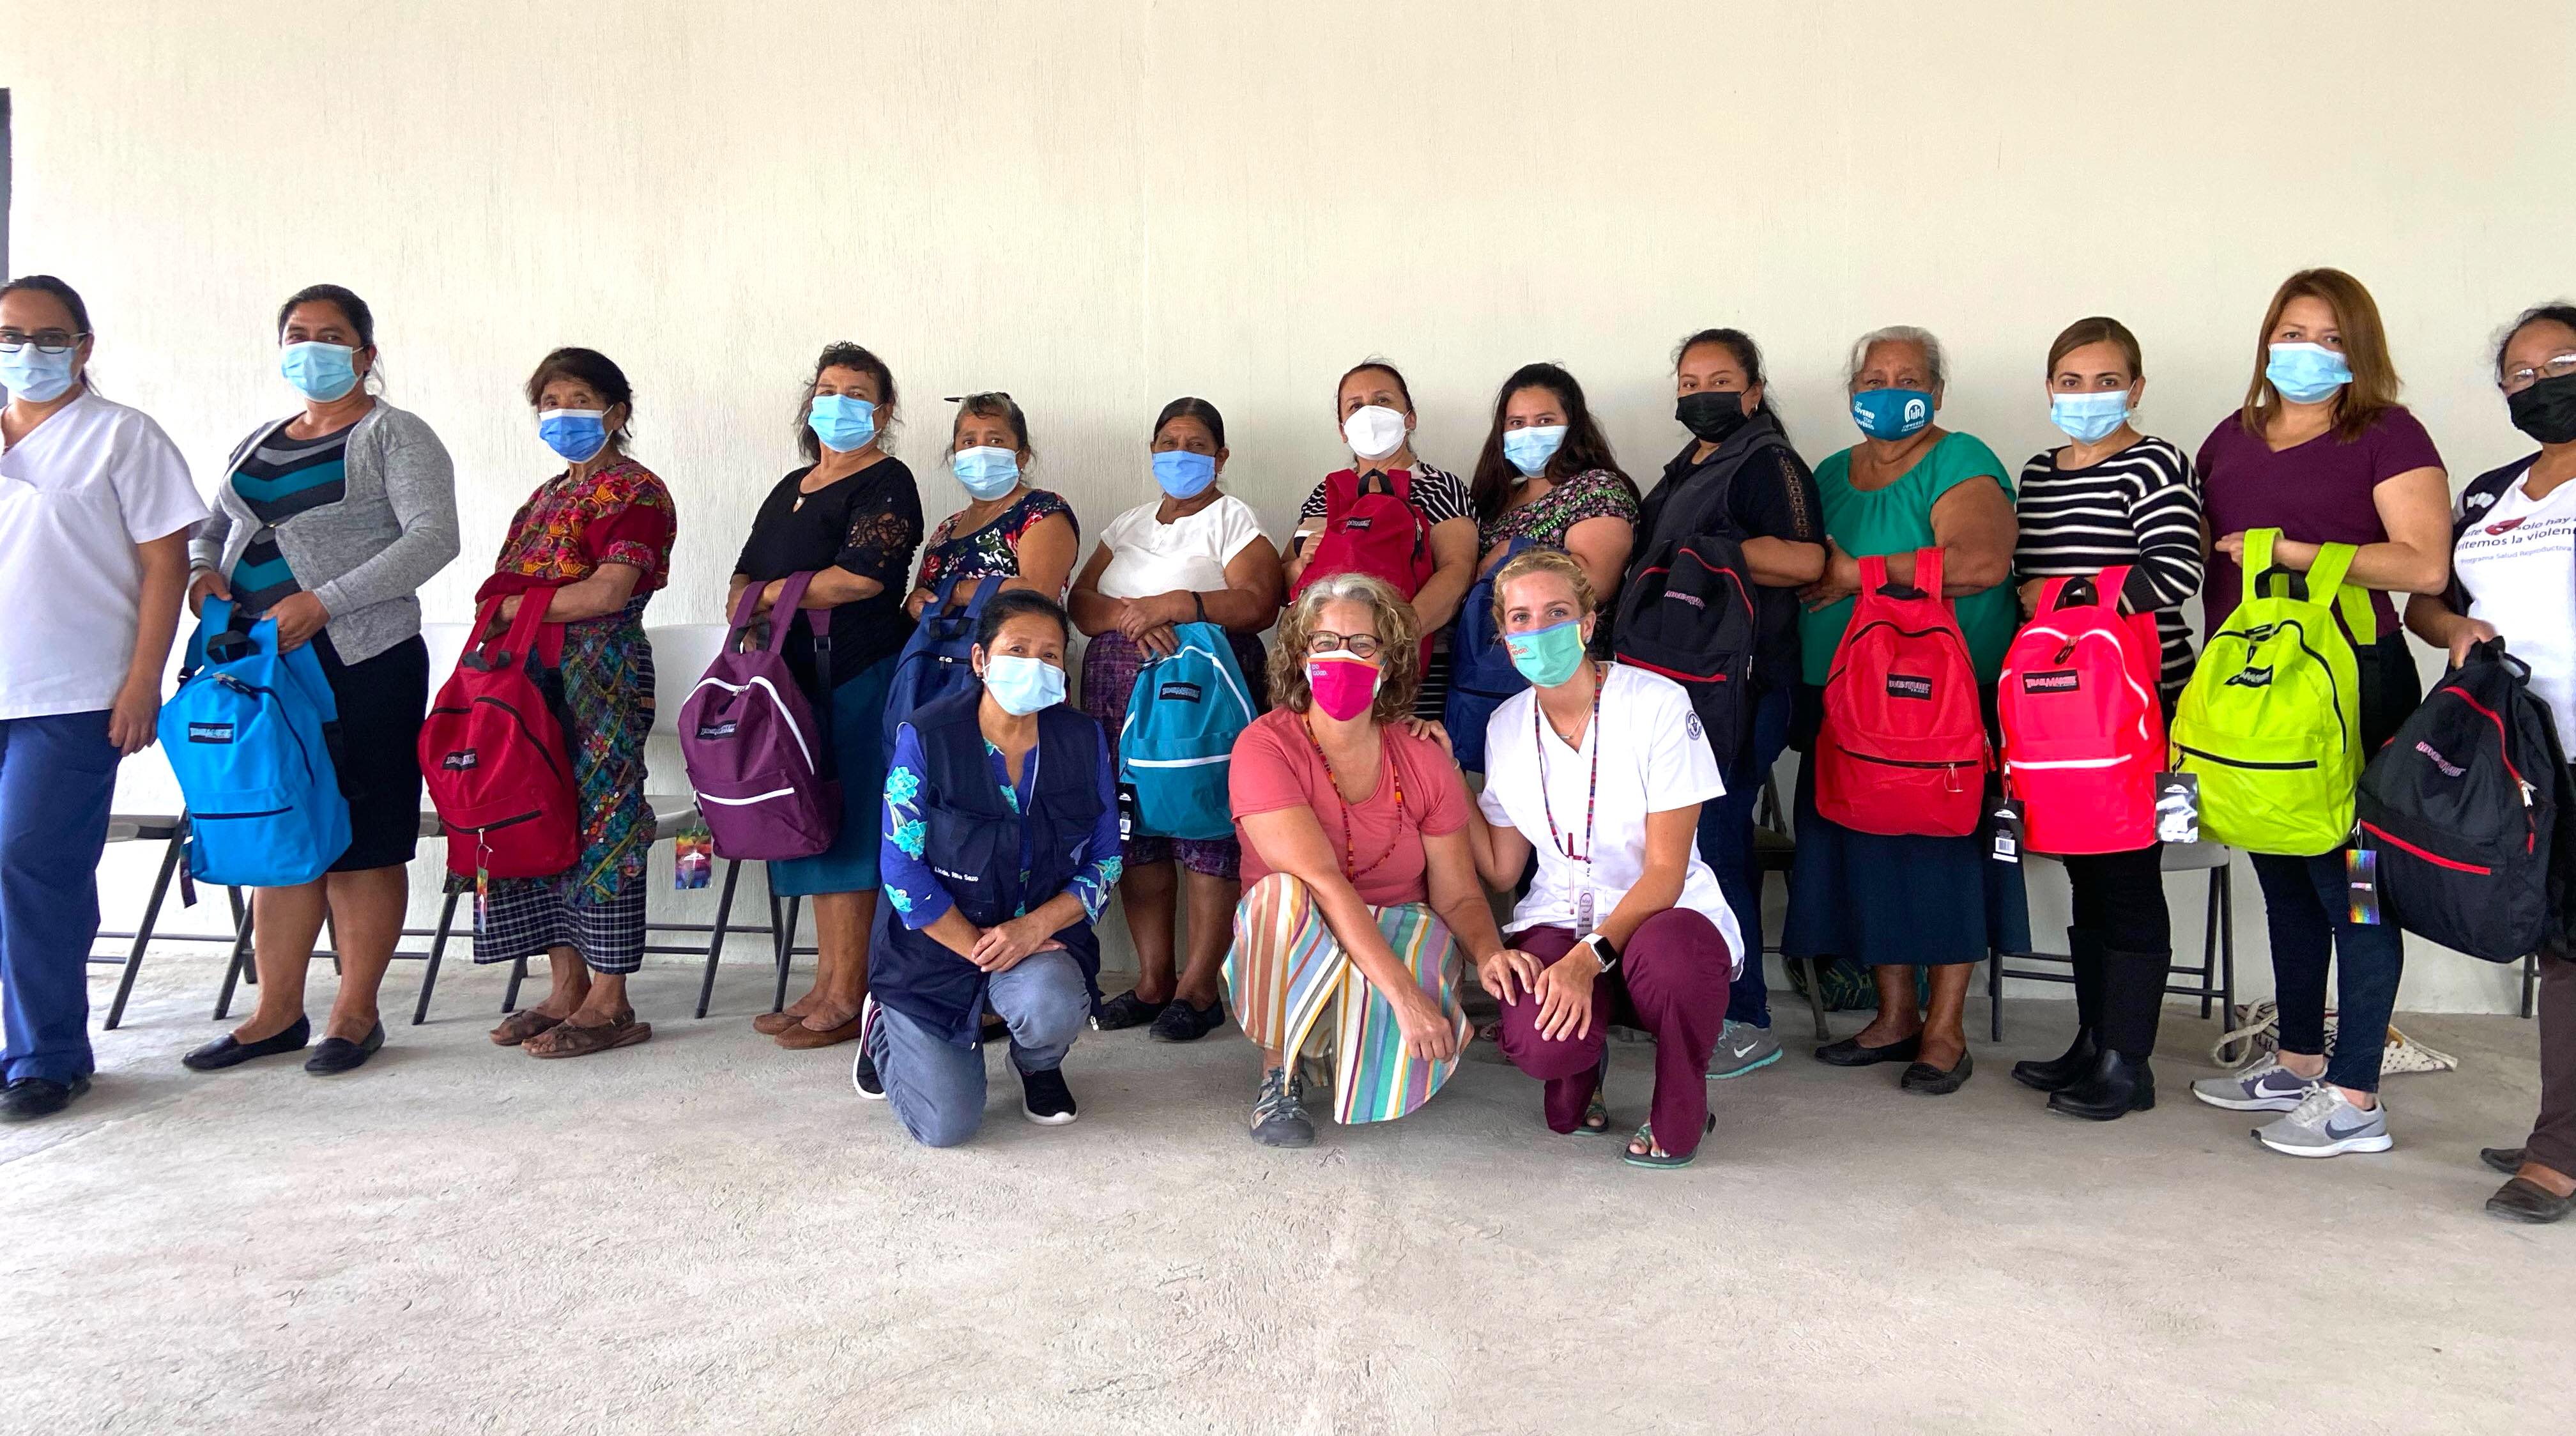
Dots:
pixel 1278 1116
pixel 1741 1048
pixel 2327 1125
pixel 2265 1087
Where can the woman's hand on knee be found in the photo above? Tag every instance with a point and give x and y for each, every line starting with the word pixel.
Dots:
pixel 1004 947
pixel 1428 1033
pixel 1564 991
pixel 1499 972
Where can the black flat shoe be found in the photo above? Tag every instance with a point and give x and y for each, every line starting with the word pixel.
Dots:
pixel 1124 1011
pixel 1181 1022
pixel 1925 1080
pixel 29 1098
pixel 339 1054
pixel 2515 1201
pixel 2116 1088
pixel 2073 1067
pixel 224 1052
pixel 2507 1160
pixel 1849 1052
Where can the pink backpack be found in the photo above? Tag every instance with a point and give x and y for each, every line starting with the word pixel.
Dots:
pixel 759 762
pixel 2083 732
pixel 1903 748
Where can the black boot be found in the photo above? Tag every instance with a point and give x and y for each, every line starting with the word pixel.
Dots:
pixel 2085 946
pixel 2116 1087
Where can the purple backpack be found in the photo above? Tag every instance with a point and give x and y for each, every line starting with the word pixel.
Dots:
pixel 761 765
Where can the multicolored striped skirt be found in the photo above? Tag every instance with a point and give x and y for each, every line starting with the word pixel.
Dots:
pixel 1287 973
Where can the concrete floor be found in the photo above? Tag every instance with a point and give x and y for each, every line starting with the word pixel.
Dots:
pixel 708 1233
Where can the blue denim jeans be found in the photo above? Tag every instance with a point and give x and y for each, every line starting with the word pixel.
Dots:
pixel 937 1087
pixel 1726 845
pixel 57 780
pixel 2307 906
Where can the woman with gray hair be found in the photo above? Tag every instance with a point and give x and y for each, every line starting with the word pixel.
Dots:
pixel 1359 882
pixel 1892 903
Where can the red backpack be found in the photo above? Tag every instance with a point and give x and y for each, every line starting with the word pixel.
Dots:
pixel 2083 732
pixel 1903 748
pixel 1376 533
pixel 494 757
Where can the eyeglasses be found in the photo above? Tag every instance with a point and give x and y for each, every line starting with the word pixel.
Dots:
pixel 2515 382
pixel 1357 645
pixel 47 341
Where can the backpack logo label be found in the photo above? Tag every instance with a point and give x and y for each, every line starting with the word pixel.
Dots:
pixel 460 760
pixel 1694 600
pixel 1356 525
pixel 2056 680
pixel 1177 692
pixel 2250 678
pixel 710 731
pixel 2449 768
pixel 210 732
pixel 1906 685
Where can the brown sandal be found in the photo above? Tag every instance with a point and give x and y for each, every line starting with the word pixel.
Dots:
pixel 521 1025
pixel 801 1037
pixel 569 1040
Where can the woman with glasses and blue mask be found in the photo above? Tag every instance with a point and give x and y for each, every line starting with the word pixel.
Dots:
pixel 999 846
pixel 2322 451
pixel 1196 554
pixel 1009 530
pixel 851 517
pixel 2513 566
pixel 329 521
pixel 593 544
pixel 2111 497
pixel 1893 903
pixel 95 508
pixel 1598 770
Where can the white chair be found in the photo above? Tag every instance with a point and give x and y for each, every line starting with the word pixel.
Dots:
pixel 2216 975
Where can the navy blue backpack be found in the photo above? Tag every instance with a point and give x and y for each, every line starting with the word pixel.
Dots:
pixel 249 736
pixel 1176 751
pixel 1481 674
pixel 936 660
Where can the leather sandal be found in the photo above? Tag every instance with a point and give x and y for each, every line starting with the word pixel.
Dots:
pixel 770 1024
pixel 801 1037
pixel 566 1039
pixel 521 1025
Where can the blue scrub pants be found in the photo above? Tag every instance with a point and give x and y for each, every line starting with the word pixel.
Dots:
pixel 57 780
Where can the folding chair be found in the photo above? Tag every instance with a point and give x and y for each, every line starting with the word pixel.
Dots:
pixel 172 833
pixel 2217 971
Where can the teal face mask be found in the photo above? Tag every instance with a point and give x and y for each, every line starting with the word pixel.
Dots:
pixel 1547 656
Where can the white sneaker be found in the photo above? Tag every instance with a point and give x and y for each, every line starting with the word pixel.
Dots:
pixel 2265 1087
pixel 2327 1125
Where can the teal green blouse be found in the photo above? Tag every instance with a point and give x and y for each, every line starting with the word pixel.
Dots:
pixel 1898 519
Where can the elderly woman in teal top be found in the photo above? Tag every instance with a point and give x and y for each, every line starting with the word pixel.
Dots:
pixel 1894 903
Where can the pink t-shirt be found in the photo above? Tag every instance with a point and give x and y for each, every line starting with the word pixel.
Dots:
pixel 1276 766
pixel 2316 492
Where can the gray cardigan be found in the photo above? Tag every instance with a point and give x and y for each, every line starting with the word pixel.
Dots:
pixel 366 556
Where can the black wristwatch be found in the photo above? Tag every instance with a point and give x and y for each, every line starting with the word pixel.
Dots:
pixel 1604 951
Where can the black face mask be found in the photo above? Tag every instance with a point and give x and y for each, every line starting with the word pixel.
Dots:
pixel 2547 410
pixel 1711 415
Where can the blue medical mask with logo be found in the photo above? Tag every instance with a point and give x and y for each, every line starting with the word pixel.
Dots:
pixel 1891 413
pixel 35 376
pixel 845 425
pixel 1547 656
pixel 2092 417
pixel 1182 474
pixel 576 434
pixel 320 372
pixel 2306 373
pixel 987 473
pixel 1023 685
pixel 1530 449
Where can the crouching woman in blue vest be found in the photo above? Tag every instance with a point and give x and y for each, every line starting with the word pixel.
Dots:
pixel 1000 847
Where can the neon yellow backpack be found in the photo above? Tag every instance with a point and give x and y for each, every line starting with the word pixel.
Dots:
pixel 2271 723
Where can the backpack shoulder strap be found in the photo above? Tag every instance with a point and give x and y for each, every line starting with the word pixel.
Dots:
pixel 791 604
pixel 1927 570
pixel 2326 586
pixel 1873 573
pixel 2257 565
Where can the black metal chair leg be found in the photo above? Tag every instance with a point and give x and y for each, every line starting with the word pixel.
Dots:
pixel 2226 881
pixel 1816 997
pixel 2209 944
pixel 518 974
pixel 239 965
pixel 1994 996
pixel 437 951
pixel 716 941
pixel 2530 984
pixel 786 953
pixel 143 933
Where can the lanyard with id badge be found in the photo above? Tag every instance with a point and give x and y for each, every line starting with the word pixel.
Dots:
pixel 1583 900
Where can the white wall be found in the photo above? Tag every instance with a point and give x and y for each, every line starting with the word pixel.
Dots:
pixel 1100 206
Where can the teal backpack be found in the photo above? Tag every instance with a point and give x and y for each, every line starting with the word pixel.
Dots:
pixel 1176 750
pixel 2271 724
pixel 249 736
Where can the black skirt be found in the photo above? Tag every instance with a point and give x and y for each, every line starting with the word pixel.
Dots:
pixel 382 702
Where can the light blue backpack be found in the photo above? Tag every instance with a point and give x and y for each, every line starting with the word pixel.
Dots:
pixel 1176 752
pixel 249 737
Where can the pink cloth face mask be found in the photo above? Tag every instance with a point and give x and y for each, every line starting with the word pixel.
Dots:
pixel 1344 686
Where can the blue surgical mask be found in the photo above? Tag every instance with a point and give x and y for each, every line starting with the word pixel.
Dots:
pixel 1548 656
pixel 1891 413
pixel 2089 418
pixel 320 372
pixel 1023 685
pixel 2306 373
pixel 1530 449
pixel 576 434
pixel 987 473
pixel 36 376
pixel 845 425
pixel 1182 474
